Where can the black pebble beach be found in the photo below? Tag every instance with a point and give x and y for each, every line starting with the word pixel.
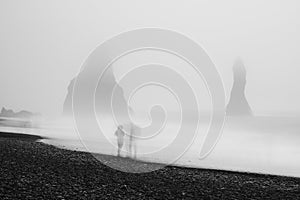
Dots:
pixel 34 170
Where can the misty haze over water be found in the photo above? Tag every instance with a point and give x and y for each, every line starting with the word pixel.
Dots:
pixel 256 144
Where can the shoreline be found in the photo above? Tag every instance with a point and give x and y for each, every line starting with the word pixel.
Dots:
pixel 21 136
pixel 38 138
pixel 34 170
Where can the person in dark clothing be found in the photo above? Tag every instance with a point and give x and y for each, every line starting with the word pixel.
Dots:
pixel 120 138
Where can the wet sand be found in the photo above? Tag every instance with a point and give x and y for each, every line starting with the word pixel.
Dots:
pixel 34 170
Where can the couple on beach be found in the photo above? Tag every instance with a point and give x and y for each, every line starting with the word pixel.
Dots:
pixel 129 132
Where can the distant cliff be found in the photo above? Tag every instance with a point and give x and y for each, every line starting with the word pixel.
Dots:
pixel 9 113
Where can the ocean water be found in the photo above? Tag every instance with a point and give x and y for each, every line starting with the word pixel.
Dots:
pixel 269 145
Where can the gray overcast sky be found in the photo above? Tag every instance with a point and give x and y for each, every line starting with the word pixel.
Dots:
pixel 43 44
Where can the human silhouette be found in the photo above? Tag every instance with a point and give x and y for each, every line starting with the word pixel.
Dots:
pixel 120 138
pixel 238 104
pixel 134 133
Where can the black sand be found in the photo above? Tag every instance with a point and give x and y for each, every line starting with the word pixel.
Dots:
pixel 33 170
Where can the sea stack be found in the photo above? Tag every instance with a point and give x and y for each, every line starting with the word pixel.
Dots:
pixel 238 104
pixel 103 96
pixel 67 107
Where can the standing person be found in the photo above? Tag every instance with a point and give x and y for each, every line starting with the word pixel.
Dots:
pixel 134 133
pixel 120 138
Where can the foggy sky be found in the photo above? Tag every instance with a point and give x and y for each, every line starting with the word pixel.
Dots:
pixel 44 43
